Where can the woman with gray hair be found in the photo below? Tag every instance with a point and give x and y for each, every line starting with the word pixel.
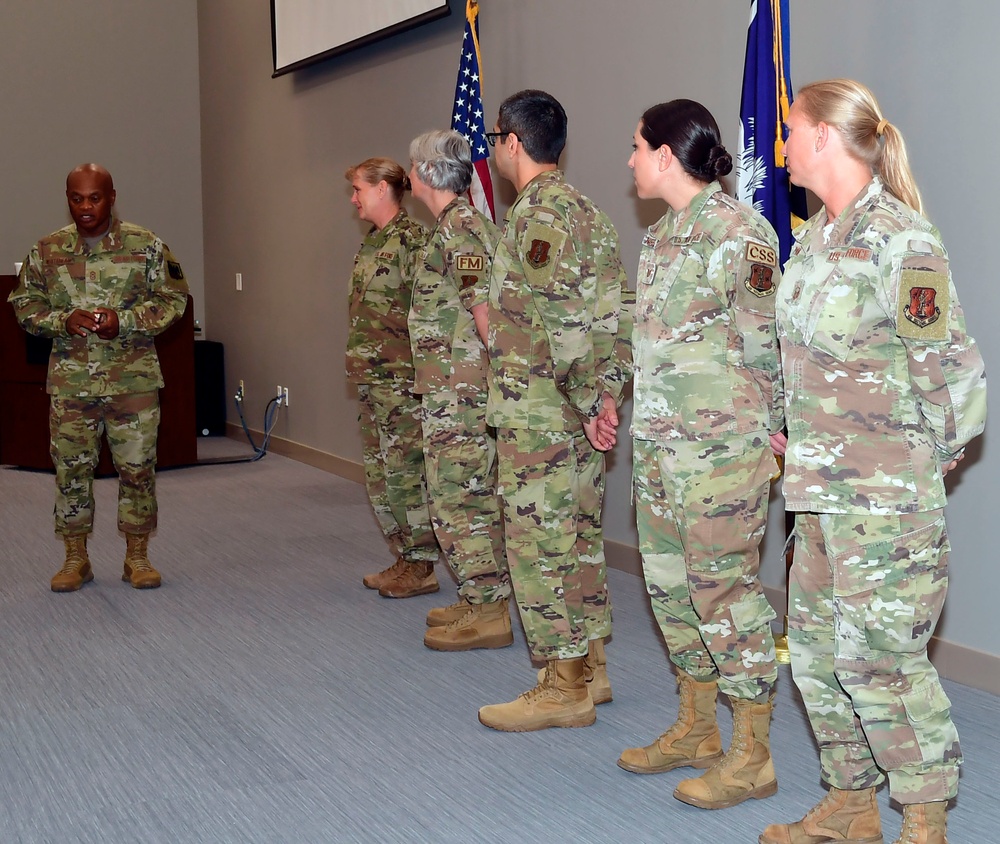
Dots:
pixel 447 326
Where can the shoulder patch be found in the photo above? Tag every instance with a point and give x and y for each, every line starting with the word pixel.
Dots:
pixel 923 301
pixel 760 280
pixel 470 263
pixel 542 246
pixel 759 253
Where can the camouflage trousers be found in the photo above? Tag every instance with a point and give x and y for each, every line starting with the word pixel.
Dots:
pixel 552 487
pixel 865 594
pixel 701 508
pixel 393 449
pixel 460 458
pixel 76 424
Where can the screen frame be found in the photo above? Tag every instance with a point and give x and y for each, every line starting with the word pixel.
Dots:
pixel 386 32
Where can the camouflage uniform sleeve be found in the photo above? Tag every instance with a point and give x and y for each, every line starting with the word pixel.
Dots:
pixel 746 268
pixel 167 294
pixel 617 372
pixel 469 262
pixel 31 302
pixel 945 368
pixel 564 295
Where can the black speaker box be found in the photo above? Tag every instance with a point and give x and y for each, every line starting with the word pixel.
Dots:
pixel 210 388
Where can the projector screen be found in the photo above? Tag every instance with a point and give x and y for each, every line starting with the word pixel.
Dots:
pixel 306 31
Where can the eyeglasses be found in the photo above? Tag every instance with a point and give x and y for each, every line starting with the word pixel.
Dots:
pixel 491 137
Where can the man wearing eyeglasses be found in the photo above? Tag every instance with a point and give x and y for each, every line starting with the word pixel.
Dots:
pixel 559 357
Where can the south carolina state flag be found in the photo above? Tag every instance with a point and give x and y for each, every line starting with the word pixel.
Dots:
pixel 761 176
pixel 467 114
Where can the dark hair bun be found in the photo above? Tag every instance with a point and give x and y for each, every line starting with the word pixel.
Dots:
pixel 720 163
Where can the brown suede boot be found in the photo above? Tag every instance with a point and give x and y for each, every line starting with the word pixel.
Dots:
pixel 381 578
pixel 595 672
pixel 560 700
pixel 482 626
pixel 415 579
pixel 443 616
pixel 138 570
pixel 745 771
pixel 924 823
pixel 693 740
pixel 76 570
pixel 844 817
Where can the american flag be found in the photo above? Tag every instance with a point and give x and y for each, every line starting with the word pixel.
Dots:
pixel 467 115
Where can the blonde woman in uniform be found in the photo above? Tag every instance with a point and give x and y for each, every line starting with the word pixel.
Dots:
pixel 883 389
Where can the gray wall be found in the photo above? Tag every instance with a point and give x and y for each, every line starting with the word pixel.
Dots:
pixel 111 81
pixel 276 204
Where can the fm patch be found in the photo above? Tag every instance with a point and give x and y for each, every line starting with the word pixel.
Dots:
pixel 470 263
pixel 175 271
pixel 538 253
pixel 758 253
pixel 760 282
pixel 923 296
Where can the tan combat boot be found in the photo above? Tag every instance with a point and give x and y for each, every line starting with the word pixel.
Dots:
pixel 443 616
pixel 595 672
pixel 381 578
pixel 138 570
pixel 560 700
pixel 745 771
pixel 76 570
pixel 693 740
pixel 482 626
pixel 415 579
pixel 844 817
pixel 924 823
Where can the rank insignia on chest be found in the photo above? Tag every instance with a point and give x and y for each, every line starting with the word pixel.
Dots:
pixel 922 310
pixel 470 263
pixel 760 282
pixel 538 253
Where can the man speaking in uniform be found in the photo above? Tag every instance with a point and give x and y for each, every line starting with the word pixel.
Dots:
pixel 556 365
pixel 101 289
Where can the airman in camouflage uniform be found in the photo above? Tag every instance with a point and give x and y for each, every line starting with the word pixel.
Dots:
pixel 555 352
pixel 448 311
pixel 380 362
pixel 101 289
pixel 884 388
pixel 707 393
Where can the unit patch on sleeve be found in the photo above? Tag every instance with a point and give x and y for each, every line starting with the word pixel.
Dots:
pixel 759 264
pixel 923 305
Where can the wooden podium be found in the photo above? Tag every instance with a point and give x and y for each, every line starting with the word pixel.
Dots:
pixel 24 404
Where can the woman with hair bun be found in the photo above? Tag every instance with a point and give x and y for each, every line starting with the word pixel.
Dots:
pixel 380 362
pixel 707 395
pixel 884 389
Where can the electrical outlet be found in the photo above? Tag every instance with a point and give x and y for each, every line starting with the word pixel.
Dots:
pixel 239 281
pixel 284 396
pixel 280 394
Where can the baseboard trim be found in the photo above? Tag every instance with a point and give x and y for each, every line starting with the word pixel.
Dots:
pixel 959 663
